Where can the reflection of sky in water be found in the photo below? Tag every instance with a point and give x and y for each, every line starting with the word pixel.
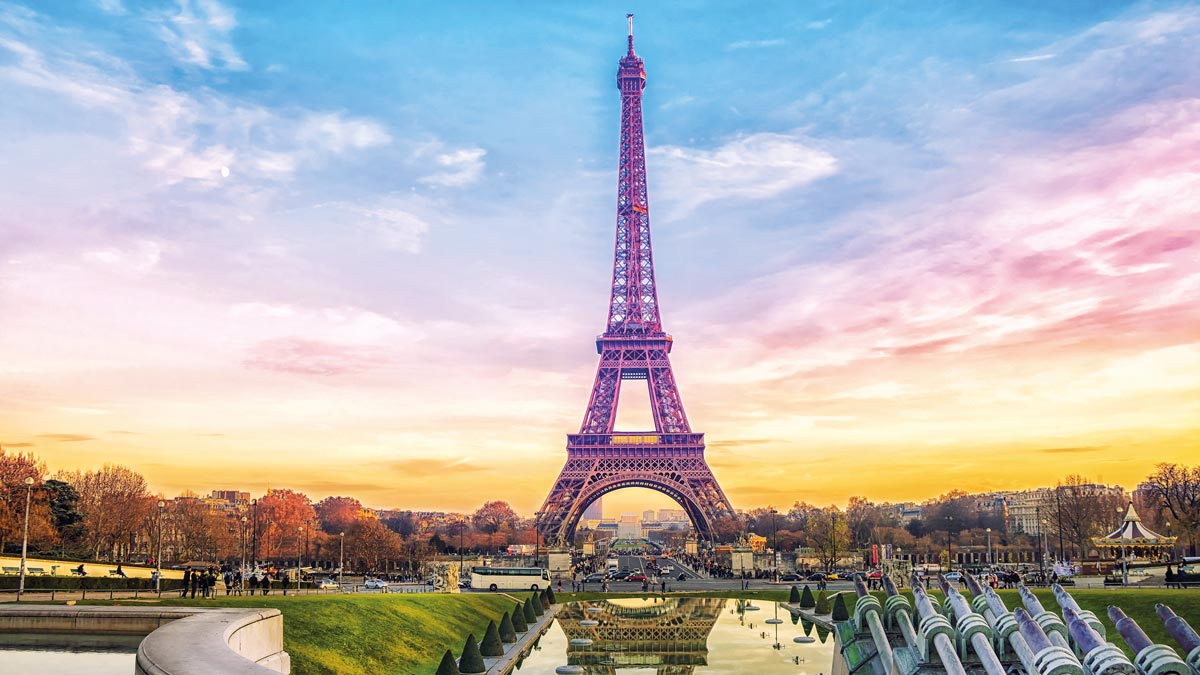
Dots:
pixel 66 663
pixel 733 646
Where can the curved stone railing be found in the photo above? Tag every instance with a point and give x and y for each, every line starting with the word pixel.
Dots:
pixel 179 640
pixel 219 642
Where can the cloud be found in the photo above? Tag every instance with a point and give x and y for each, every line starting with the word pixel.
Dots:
pixel 818 25
pixel 17 445
pixel 1071 450
pixel 396 227
pixel 333 132
pixel 1035 57
pixel 115 7
pixel 67 438
pixel 300 356
pixel 421 467
pixel 458 167
pixel 755 167
pixel 84 411
pixel 199 34
pixel 140 257
pixel 755 44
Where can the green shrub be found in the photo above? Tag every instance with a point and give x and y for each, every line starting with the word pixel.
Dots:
pixel 518 619
pixel 92 582
pixel 491 645
pixel 535 603
pixel 544 599
pixel 508 632
pixel 448 666
pixel 530 616
pixel 822 606
pixel 806 598
pixel 839 608
pixel 794 595
pixel 550 596
pixel 471 660
pixel 808 626
pixel 822 633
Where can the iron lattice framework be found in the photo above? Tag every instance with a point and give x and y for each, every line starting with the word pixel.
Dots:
pixel 670 637
pixel 633 347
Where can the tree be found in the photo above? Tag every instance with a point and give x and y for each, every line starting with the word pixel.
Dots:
pixel 492 516
pixel 1081 512
pixel 115 504
pixel 491 645
pixel 281 515
pixel 338 513
pixel 1178 488
pixel 829 536
pixel 471 660
pixel 14 469
pixel 371 544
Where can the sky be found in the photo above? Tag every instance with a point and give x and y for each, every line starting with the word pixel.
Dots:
pixel 365 249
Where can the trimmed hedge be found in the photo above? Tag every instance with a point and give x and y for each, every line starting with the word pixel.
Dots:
pixel 550 596
pixel 839 608
pixel 794 595
pixel 527 609
pixel 491 645
pixel 448 666
pixel 822 606
pixel 535 603
pixel 518 619
pixel 806 598
pixel 471 660
pixel 39 582
pixel 508 632
pixel 544 599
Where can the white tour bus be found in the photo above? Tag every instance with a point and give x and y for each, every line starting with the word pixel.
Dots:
pixel 509 578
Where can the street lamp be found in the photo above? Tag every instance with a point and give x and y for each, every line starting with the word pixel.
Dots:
pixel 989 536
pixel 949 545
pixel 254 538
pixel 774 547
pixel 461 526
pixel 341 558
pixel 242 569
pixel 25 536
pixel 158 551
pixel 1124 560
pixel 537 540
pixel 299 555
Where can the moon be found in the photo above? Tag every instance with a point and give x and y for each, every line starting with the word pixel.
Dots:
pixel 224 172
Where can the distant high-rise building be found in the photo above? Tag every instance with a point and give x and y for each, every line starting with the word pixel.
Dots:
pixel 630 526
pixel 594 511
pixel 648 515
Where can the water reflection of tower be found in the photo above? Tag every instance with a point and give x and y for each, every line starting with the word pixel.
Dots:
pixel 670 635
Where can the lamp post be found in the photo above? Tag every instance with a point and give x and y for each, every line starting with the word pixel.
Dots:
pixel 341 558
pixel 537 539
pixel 242 569
pixel 989 536
pixel 774 547
pixel 299 555
pixel 1171 555
pixel 307 536
pixel 461 526
pixel 949 546
pixel 25 536
pixel 254 538
pixel 1124 560
pixel 158 551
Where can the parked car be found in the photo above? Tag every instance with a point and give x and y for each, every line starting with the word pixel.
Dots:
pixel 619 576
pixel 666 569
pixel 815 576
pixel 954 576
pixel 325 584
pixel 636 576
pixel 791 577
pixel 594 577
pixel 375 584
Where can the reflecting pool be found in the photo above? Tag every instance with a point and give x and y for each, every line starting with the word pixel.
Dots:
pixel 67 654
pixel 680 635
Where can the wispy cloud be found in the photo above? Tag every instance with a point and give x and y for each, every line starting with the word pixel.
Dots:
pixel 1035 57
pixel 756 166
pixel 457 168
pixel 300 356
pixel 755 44
pixel 67 438
pixel 818 25
pixel 199 32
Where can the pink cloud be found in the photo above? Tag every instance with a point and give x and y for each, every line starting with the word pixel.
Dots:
pixel 311 357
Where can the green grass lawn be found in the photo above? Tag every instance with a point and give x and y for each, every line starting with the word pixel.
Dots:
pixel 399 633
pixel 368 634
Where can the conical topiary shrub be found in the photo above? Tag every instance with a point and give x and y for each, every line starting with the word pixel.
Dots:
pixel 518 618
pixel 807 625
pixel 448 666
pixel 550 596
pixel 491 645
pixel 795 618
pixel 794 595
pixel 839 608
pixel 527 608
pixel 471 660
pixel 822 634
pixel 508 632
pixel 822 606
pixel 806 598
pixel 536 603
pixel 544 599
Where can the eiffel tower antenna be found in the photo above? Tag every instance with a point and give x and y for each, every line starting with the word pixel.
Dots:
pixel 633 347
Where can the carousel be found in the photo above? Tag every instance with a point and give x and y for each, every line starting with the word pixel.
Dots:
pixel 1134 541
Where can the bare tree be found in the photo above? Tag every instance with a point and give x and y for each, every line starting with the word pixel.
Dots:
pixel 829 534
pixel 115 502
pixel 1177 487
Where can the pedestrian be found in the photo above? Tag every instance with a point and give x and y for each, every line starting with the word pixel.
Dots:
pixel 664 586
pixel 253 583
pixel 266 584
pixel 195 583
pixel 187 580
pixel 560 585
pixel 285 583
pixel 605 587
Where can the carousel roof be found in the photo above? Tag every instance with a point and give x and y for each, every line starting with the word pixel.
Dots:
pixel 1133 531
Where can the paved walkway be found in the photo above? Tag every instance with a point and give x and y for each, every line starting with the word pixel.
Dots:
pixel 501 665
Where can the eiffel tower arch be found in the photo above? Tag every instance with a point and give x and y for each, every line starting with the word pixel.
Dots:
pixel 634 346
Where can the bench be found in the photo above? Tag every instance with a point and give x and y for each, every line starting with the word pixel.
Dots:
pixel 76 571
pixel 12 570
pixel 35 570
pixel 114 573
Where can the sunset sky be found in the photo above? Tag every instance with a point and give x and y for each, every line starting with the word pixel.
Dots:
pixel 365 248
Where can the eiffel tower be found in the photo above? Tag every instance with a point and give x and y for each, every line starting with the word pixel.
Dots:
pixel 669 459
